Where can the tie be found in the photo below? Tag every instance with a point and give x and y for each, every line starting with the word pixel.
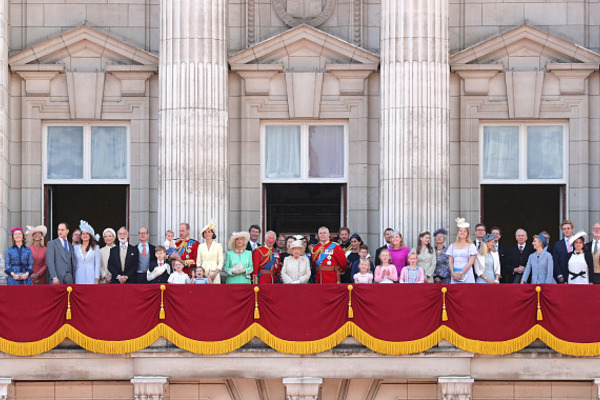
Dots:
pixel 478 244
pixel 595 247
pixel 66 245
pixel 520 249
pixel 569 248
pixel 144 253
pixel 123 247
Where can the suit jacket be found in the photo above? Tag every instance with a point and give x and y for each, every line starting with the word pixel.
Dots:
pixel 595 276
pixel 151 253
pixel 515 258
pixel 249 246
pixel 131 263
pixel 503 255
pixel 60 263
pixel 560 255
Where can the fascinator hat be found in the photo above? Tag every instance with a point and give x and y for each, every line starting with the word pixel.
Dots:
pixel 462 223
pixel 212 225
pixel 84 226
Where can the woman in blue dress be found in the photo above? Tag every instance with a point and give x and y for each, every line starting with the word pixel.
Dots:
pixel 86 260
pixel 18 260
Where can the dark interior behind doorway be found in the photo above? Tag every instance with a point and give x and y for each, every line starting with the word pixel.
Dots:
pixel 102 206
pixel 534 208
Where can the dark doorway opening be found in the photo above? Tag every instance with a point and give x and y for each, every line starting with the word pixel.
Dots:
pixel 102 206
pixel 303 208
pixel 534 208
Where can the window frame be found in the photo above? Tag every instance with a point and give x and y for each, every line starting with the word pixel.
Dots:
pixel 87 153
pixel 304 151
pixel 522 131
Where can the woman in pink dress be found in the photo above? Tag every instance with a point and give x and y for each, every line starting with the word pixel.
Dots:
pixel 398 251
pixel 35 236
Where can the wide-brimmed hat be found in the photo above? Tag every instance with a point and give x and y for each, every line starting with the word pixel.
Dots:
pixel 576 236
pixel 211 225
pixel 462 223
pixel 32 229
pixel 235 235
pixel 84 226
pixel 297 243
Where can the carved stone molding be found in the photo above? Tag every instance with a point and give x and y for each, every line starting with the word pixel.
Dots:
pixel 149 387
pixel 524 93
pixel 477 77
pixel 456 388
pixel 572 76
pixel 133 77
pixel 302 388
pixel 4 384
pixel 38 77
pixel 291 21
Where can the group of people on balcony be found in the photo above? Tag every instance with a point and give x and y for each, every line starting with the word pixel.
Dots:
pixel 298 259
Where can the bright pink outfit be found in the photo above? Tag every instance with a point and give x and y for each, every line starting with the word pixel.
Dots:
pixel 393 276
pixel 404 275
pixel 399 258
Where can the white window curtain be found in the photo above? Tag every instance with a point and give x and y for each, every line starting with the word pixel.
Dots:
pixel 500 152
pixel 65 152
pixel 326 151
pixel 544 152
pixel 282 151
pixel 109 152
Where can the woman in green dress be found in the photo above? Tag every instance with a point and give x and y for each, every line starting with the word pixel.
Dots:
pixel 238 260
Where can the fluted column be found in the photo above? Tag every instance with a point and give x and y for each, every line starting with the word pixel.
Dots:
pixel 4 136
pixel 192 162
pixel 414 142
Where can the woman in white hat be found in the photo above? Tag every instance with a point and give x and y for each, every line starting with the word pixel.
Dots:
pixel 461 255
pixel 35 236
pixel 109 235
pixel 86 256
pixel 210 254
pixel 238 260
pixel 579 262
pixel 296 269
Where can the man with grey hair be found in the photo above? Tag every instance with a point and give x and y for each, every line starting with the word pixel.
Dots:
pixel 594 248
pixel 329 259
pixel 123 260
pixel 517 258
pixel 265 261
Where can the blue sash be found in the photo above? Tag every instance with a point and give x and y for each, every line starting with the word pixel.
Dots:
pixel 268 265
pixel 323 256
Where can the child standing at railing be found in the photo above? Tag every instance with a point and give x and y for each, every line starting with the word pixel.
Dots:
pixel 411 273
pixel 386 272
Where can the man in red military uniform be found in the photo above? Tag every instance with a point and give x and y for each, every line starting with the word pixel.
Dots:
pixel 329 259
pixel 265 262
pixel 186 247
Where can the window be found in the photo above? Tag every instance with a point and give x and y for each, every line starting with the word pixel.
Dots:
pixel 296 152
pixel 524 152
pixel 91 152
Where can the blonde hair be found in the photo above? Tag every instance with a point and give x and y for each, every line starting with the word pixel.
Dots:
pixel 178 261
pixel 385 251
pixel 467 239
pixel 169 231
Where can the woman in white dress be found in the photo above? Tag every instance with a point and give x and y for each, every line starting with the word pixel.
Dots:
pixel 461 255
pixel 86 258
pixel 580 262
pixel 109 237
pixel 296 269
pixel 210 254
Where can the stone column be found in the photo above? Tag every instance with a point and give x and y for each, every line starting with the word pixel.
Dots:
pixel 149 387
pixel 302 388
pixel 414 171
pixel 4 385
pixel 597 384
pixel 456 388
pixel 192 144
pixel 4 137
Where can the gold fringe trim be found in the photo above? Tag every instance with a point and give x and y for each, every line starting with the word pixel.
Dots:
pixel 34 348
pixel 208 348
pixel 113 346
pixel 397 348
pixel 303 347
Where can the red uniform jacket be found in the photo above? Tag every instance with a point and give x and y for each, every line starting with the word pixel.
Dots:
pixel 335 259
pixel 262 258
pixel 188 250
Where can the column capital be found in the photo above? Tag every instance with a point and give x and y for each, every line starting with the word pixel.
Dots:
pixel 456 387
pixel 302 388
pixel 4 384
pixel 597 383
pixel 149 387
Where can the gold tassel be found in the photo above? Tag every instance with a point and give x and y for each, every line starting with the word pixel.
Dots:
pixel 256 312
pixel 161 314
pixel 350 311
pixel 69 290
pixel 538 289
pixel 444 312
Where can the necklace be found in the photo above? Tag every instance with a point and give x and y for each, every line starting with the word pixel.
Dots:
pixel 236 251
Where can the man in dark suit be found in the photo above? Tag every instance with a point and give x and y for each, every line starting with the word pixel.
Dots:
pixel 386 236
pixel 503 253
pixel 593 247
pixel 254 232
pixel 59 257
pixel 146 255
pixel 517 258
pixel 123 260
pixel 560 252
pixel 480 232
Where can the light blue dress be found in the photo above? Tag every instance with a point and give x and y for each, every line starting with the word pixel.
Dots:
pixel 540 267
pixel 86 266
pixel 489 269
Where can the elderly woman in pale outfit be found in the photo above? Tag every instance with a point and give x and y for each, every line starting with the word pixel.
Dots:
pixel 109 237
pixel 86 257
pixel 210 254
pixel 238 260
pixel 296 269
pixel 540 265
pixel 35 236
pixel 426 257
pixel 487 262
